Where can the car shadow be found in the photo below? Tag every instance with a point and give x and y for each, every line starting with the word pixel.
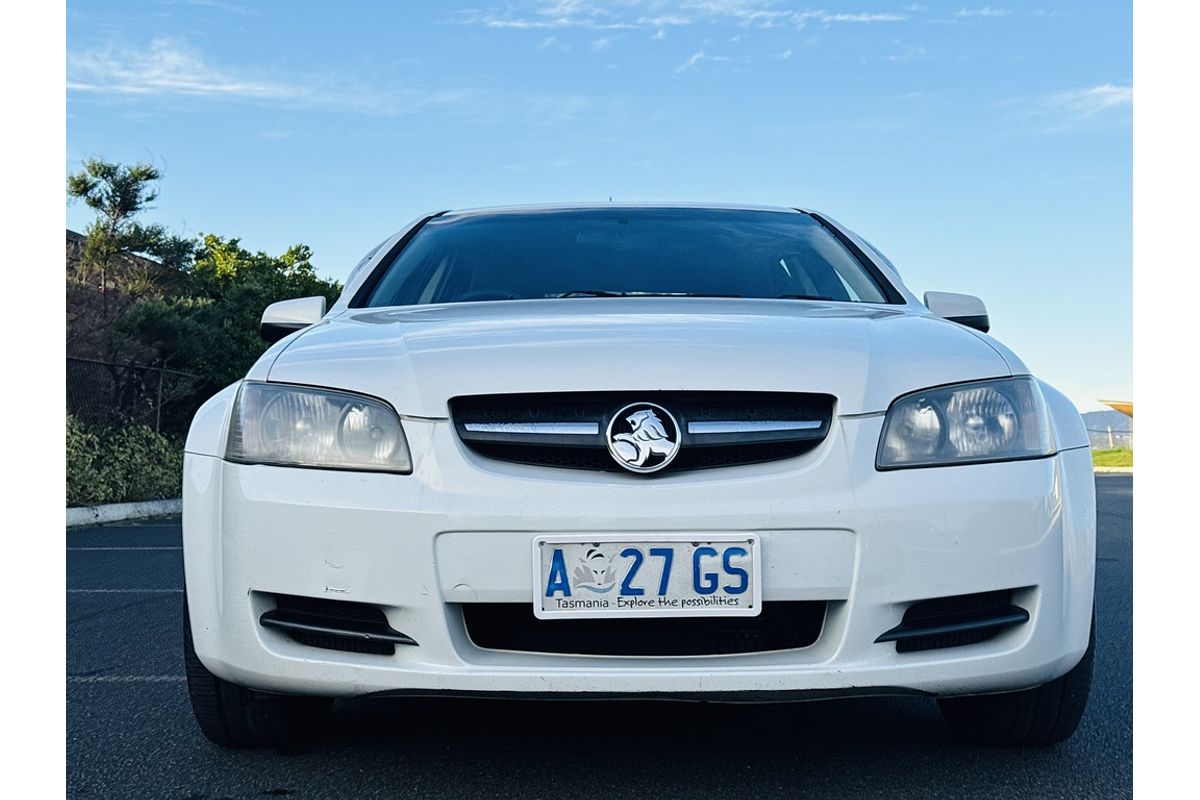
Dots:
pixel 544 748
pixel 571 723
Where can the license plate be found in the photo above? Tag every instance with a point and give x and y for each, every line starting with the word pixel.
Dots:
pixel 663 575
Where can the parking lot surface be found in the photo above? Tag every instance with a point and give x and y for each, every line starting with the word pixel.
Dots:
pixel 130 732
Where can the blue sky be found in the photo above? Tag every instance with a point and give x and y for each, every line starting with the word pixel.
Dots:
pixel 984 148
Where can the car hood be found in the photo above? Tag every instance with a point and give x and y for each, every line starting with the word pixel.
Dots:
pixel 419 357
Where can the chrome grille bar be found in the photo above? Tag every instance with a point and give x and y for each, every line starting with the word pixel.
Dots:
pixel 536 428
pixel 752 426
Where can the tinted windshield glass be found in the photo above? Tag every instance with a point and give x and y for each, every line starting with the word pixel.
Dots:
pixel 622 251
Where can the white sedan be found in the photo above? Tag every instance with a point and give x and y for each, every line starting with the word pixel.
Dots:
pixel 656 451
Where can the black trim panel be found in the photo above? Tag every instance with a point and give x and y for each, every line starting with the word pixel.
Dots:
pixel 294 622
pixel 363 295
pixel 979 322
pixel 728 697
pixel 1011 616
pixel 274 331
pixel 512 627
pixel 343 625
pixel 889 291
pixel 955 621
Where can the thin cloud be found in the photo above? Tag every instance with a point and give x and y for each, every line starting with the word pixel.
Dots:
pixel 555 14
pixel 986 11
pixel 1084 103
pixel 166 67
pixel 220 5
pixel 821 16
pixel 170 68
pixel 601 44
pixel 663 21
pixel 628 15
pixel 1071 109
pixel 215 5
pixel 978 15
pixel 698 57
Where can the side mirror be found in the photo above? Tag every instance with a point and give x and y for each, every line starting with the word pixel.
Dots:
pixel 289 316
pixel 965 309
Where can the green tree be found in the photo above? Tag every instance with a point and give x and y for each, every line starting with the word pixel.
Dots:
pixel 198 307
pixel 118 194
pixel 121 260
pixel 191 305
pixel 211 328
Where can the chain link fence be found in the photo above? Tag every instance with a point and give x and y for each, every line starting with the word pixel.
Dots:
pixel 113 395
pixel 1108 438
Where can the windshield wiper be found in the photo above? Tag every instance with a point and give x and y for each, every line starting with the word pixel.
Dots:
pixel 680 294
pixel 801 297
pixel 590 293
pixel 607 293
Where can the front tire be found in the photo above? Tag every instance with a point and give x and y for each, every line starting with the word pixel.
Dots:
pixel 1034 717
pixel 235 716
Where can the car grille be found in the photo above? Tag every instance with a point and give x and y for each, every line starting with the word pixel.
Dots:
pixel 715 429
pixel 513 626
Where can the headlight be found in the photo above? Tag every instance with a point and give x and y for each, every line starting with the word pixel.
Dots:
pixel 996 420
pixel 302 427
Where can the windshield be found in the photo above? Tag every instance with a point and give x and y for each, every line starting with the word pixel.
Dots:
pixel 621 252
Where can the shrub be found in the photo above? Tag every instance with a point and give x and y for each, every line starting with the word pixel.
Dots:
pixel 119 466
pixel 85 484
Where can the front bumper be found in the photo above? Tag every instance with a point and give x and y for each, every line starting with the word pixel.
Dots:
pixel 459 531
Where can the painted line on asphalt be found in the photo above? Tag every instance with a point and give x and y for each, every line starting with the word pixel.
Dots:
pixel 126 679
pixel 69 549
pixel 121 591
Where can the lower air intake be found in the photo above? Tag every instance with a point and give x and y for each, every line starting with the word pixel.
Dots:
pixel 512 626
pixel 334 625
pixel 955 621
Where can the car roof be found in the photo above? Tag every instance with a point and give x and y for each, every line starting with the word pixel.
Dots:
pixel 533 209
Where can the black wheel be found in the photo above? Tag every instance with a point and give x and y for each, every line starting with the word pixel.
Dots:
pixel 234 716
pixel 1035 717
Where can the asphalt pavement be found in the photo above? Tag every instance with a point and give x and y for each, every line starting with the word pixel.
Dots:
pixel 130 732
